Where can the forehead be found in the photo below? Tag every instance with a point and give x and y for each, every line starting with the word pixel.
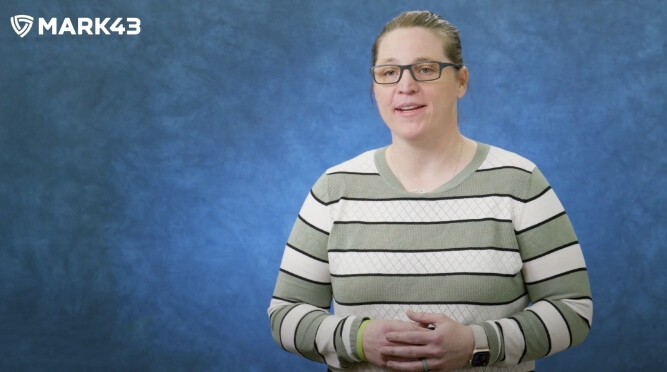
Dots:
pixel 405 45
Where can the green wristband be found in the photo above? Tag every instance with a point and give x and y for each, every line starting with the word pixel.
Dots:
pixel 360 340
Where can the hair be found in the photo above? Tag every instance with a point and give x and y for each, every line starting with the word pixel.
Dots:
pixel 430 21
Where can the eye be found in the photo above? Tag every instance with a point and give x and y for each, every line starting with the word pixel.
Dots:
pixel 426 69
pixel 388 71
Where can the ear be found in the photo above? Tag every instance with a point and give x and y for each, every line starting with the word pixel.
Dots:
pixel 463 81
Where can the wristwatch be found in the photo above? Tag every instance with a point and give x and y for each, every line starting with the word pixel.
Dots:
pixel 480 355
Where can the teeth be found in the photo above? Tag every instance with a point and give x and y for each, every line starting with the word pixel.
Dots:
pixel 407 108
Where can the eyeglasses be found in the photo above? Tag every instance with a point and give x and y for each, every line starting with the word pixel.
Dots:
pixel 420 71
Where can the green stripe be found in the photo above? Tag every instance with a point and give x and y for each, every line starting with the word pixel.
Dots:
pixel 503 181
pixel 537 184
pixel 534 330
pixel 578 326
pixel 307 332
pixel 291 288
pixel 307 239
pixel 572 285
pixel 423 237
pixel 454 289
pixel 544 238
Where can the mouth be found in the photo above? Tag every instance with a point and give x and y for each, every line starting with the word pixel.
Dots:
pixel 408 108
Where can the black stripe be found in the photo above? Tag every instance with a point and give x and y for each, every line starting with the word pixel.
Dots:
pixel 585 321
pixel 422 275
pixel 545 330
pixel 502 337
pixel 326 204
pixel 418 223
pixel 581 298
pixel 540 224
pixel 552 251
pixel 284 299
pixel 296 330
pixel 341 327
pixel 430 302
pixel 354 173
pixel 317 349
pixel 525 346
pixel 538 195
pixel 557 276
pixel 424 198
pixel 503 167
pixel 304 279
pixel 312 226
pixel 511 250
pixel 334 338
pixel 569 330
pixel 325 308
pixel 306 254
pixel 280 328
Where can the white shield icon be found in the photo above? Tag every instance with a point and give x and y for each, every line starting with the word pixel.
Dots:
pixel 21 24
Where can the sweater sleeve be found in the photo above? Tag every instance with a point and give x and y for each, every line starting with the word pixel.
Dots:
pixel 561 307
pixel 299 310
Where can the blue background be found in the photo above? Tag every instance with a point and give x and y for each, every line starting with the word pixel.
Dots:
pixel 148 183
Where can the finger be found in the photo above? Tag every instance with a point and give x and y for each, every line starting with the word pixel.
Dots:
pixel 417 365
pixel 401 352
pixel 421 337
pixel 426 318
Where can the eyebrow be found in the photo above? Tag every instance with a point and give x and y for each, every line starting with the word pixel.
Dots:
pixel 419 59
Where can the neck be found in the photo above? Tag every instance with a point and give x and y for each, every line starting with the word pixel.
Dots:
pixel 426 166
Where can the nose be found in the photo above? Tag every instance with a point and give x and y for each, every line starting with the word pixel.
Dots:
pixel 407 84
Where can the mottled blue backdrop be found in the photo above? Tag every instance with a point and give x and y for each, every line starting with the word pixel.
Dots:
pixel 148 183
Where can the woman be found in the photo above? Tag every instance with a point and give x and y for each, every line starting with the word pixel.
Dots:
pixel 438 252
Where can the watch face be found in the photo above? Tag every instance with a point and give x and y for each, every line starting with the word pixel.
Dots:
pixel 480 358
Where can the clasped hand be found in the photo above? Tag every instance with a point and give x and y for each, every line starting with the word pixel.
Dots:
pixel 401 345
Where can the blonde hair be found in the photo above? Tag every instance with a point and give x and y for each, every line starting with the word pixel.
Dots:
pixel 430 21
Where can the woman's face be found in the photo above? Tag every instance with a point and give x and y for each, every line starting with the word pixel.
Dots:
pixel 418 110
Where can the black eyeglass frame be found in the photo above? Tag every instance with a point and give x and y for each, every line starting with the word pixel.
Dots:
pixel 412 73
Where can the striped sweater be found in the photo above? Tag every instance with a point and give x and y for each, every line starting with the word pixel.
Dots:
pixel 492 247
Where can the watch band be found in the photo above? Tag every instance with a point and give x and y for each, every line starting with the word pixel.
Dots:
pixel 481 354
pixel 480 337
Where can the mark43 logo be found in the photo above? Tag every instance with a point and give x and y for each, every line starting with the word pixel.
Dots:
pixel 78 26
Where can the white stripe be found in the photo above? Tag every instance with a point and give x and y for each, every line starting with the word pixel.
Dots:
pixel 304 266
pixel 290 323
pixel 464 314
pixel 556 325
pixel 539 210
pixel 406 211
pixel 276 304
pixel 325 339
pixel 582 307
pixel 316 214
pixel 514 341
pixel 469 261
pixel 558 262
pixel 498 157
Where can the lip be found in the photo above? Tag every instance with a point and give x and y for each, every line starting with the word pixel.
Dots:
pixel 417 108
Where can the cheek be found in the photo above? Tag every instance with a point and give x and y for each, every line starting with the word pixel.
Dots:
pixel 383 101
